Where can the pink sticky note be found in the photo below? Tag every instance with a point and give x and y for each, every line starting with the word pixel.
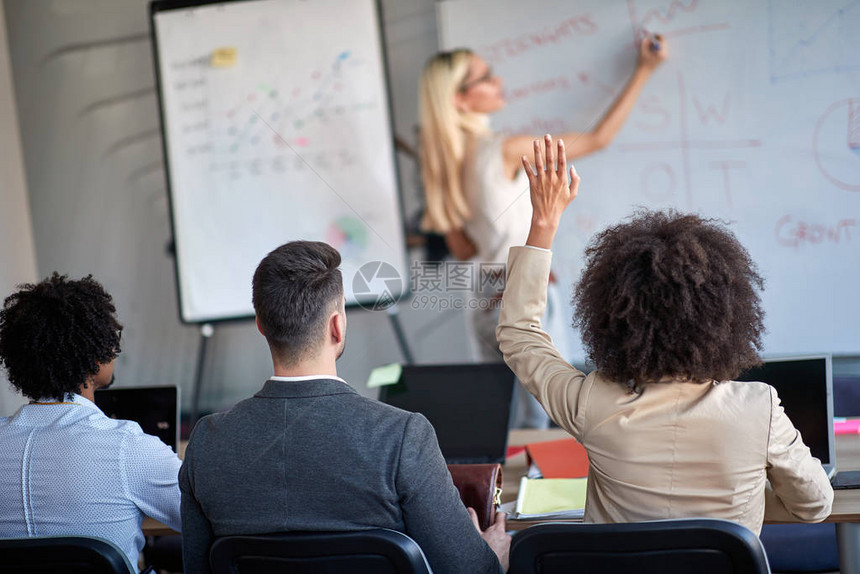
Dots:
pixel 847 427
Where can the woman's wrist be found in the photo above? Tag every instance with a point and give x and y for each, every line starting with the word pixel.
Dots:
pixel 542 233
pixel 646 68
pixel 549 223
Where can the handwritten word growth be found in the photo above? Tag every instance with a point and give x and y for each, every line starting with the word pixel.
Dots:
pixel 791 233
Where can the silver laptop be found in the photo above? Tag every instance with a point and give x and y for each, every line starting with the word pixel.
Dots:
pixel 155 409
pixel 805 387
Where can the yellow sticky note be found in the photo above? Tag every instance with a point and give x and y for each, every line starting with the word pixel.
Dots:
pixel 545 495
pixel 385 375
pixel 223 58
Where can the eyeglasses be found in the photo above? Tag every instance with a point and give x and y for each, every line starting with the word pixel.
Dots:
pixel 487 77
pixel 118 340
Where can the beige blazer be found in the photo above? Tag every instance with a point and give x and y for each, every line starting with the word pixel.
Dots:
pixel 678 449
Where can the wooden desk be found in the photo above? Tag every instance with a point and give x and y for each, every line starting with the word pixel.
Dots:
pixel 515 467
pixel 846 506
pixel 846 503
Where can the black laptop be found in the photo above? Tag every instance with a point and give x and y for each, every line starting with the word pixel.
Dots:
pixel 468 405
pixel 155 409
pixel 805 388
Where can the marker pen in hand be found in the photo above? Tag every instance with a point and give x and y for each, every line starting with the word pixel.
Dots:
pixel 654 46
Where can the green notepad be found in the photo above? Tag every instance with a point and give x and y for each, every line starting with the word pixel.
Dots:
pixel 551 497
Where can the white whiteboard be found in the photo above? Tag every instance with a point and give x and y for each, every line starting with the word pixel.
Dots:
pixel 277 127
pixel 755 120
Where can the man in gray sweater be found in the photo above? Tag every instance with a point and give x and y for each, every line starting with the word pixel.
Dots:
pixel 308 453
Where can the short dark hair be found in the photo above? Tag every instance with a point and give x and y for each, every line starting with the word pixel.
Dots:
pixel 54 335
pixel 295 287
pixel 669 294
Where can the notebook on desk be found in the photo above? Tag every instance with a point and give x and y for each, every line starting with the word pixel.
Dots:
pixel 155 409
pixel 468 405
pixel 805 387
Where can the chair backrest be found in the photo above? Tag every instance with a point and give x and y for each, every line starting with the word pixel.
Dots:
pixel 379 551
pixel 67 554
pixel 702 546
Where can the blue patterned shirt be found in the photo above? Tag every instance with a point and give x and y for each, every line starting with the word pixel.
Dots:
pixel 68 469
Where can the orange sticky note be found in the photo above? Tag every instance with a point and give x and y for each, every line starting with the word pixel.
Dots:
pixel 562 458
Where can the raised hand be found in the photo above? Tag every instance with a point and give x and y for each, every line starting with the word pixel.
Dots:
pixel 550 190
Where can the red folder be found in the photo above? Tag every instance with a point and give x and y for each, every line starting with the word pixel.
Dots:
pixel 562 458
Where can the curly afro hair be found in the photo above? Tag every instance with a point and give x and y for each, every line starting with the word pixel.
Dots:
pixel 55 334
pixel 669 294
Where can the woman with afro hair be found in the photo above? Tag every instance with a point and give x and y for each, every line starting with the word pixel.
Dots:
pixel 669 311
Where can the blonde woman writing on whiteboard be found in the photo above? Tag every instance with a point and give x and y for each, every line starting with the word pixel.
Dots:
pixel 476 191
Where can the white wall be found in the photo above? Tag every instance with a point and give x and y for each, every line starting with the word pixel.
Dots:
pixel 89 130
pixel 17 257
pixel 92 148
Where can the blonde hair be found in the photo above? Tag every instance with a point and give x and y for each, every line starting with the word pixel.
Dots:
pixel 444 130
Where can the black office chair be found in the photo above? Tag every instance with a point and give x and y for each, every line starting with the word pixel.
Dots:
pixel 67 554
pixel 698 546
pixel 378 551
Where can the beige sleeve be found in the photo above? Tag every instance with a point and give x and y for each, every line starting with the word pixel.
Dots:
pixel 799 488
pixel 527 349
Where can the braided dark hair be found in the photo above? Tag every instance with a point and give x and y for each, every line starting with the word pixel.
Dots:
pixel 55 334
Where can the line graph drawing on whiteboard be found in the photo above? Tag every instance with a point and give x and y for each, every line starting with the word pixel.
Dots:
pixel 812 38
pixel 836 144
pixel 248 127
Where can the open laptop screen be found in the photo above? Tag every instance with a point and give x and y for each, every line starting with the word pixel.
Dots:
pixel 805 387
pixel 155 409
pixel 468 406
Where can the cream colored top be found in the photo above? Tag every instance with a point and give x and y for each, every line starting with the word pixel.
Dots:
pixel 678 449
pixel 501 208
